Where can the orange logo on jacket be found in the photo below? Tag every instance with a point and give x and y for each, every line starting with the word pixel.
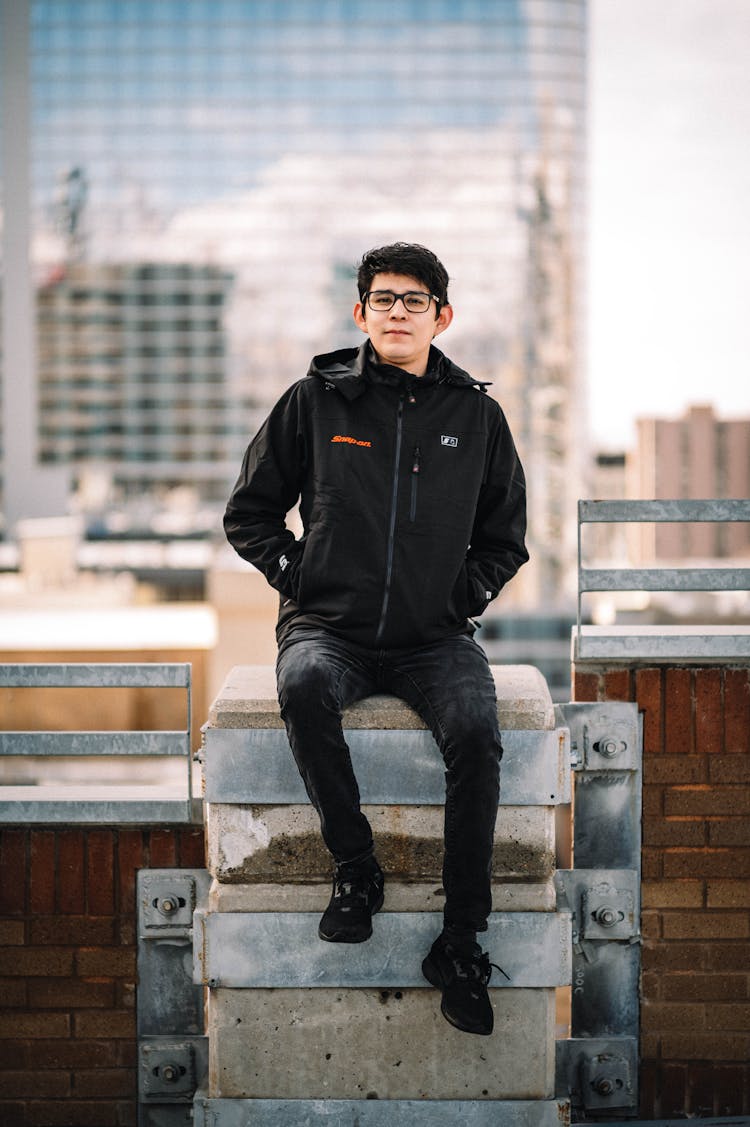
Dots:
pixel 351 441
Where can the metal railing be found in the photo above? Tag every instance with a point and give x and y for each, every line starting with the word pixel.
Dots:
pixel 661 578
pixel 94 802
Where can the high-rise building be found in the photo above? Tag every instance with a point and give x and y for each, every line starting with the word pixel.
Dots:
pixel 276 142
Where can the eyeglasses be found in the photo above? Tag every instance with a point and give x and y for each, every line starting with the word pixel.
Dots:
pixel 414 301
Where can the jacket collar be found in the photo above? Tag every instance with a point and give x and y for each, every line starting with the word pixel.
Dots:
pixel 349 370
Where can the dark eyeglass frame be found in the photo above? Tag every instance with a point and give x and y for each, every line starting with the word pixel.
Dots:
pixel 400 296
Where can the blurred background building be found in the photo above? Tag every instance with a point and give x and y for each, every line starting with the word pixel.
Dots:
pixel 188 189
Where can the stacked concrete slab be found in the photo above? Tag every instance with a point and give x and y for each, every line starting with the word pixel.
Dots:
pixel 329 1026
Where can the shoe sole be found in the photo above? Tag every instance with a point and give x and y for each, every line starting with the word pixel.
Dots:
pixel 432 974
pixel 343 936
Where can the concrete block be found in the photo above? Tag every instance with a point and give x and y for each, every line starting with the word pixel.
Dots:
pixel 385 1044
pixel 247 699
pixel 283 843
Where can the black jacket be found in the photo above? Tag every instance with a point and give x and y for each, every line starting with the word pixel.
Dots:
pixel 412 500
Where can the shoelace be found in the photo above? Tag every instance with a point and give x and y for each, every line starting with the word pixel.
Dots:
pixel 350 892
pixel 475 966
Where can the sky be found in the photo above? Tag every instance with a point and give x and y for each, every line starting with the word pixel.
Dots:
pixel 669 229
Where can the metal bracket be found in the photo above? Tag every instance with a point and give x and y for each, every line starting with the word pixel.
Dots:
pixel 172 1048
pixel 603 902
pixel 598 1073
pixel 604 736
pixel 167 1070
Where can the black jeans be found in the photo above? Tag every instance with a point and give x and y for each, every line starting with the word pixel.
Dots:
pixel 450 685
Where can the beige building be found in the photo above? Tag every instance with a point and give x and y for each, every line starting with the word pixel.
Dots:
pixel 696 457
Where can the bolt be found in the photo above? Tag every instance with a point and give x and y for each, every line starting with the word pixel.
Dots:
pixel 607 917
pixel 609 746
pixel 168 905
pixel 603 1086
pixel 170 1073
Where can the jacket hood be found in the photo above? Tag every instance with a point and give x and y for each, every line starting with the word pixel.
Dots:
pixel 347 370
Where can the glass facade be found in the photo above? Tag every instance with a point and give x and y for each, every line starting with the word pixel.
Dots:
pixel 271 142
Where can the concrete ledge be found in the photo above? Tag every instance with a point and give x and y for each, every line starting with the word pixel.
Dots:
pixel 698 645
pixel 247 699
pixel 401 896
pixel 388 1113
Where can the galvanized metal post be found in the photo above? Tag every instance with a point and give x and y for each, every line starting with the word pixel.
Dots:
pixel 598 1066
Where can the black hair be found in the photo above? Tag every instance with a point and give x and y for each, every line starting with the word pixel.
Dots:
pixel 411 259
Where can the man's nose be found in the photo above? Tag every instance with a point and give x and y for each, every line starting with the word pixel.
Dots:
pixel 396 311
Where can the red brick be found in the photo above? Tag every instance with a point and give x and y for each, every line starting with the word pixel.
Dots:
pixel 115 962
pixel 728 769
pixel 725 956
pixel 192 849
pixel 709 724
pixel 617 685
pixel 112 1082
pixel 701 1081
pixel 13 1114
pixel 13 993
pixel 671 1015
pixel 728 831
pixel 70 994
pixel 678 712
pixel 12 872
pixel 673 956
pixel 708 1045
pixel 109 1023
pixel 672 894
pixel 12 933
pixel 673 1095
pixel 652 868
pixel 44 1025
pixel 731 1017
pixel 131 856
pixel 652 801
pixel 693 987
pixel 651 925
pixel 55 1085
pixel 729 1086
pixel 705 925
pixel 74 1113
pixel 675 831
pixel 44 962
pixel 162 849
pixel 100 884
pixel 648 1088
pixel 675 769
pixel 737 711
pixel 705 863
pixel 585 686
pixel 707 801
pixel 74 1054
pixel 648 693
pixel 42 872
pixel 71 895
pixel 728 894
pixel 73 930
pixel 127 1115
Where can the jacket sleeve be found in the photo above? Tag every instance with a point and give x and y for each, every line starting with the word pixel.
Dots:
pixel 497 548
pixel 268 487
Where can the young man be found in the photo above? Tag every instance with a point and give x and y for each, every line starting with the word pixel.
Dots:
pixel 412 500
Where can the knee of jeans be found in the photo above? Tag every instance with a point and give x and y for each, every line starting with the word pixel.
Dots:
pixel 306 686
pixel 476 741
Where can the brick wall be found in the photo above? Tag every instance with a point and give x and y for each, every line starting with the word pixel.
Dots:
pixel 68 969
pixel 695 1013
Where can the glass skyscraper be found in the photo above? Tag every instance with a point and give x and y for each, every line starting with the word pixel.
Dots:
pixel 270 143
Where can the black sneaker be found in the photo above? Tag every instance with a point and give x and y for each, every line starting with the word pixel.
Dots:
pixel 355 899
pixel 462 975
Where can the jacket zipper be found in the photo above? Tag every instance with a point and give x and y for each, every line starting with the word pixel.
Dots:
pixel 392 525
pixel 415 466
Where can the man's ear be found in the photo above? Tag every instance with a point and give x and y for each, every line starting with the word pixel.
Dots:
pixel 360 319
pixel 443 319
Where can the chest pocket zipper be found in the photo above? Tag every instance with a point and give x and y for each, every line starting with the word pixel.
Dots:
pixel 415 468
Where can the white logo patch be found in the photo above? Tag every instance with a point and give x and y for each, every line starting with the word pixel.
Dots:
pixel 448 440
pixel 283 563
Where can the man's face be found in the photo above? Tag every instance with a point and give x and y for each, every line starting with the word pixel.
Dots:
pixel 399 336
